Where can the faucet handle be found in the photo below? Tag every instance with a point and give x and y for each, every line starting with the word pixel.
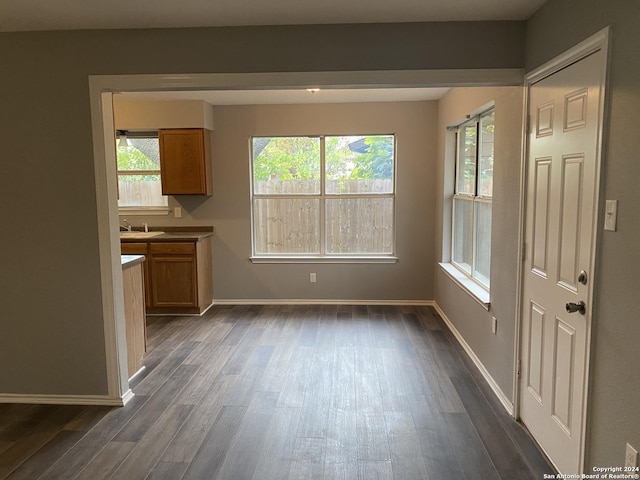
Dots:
pixel 127 225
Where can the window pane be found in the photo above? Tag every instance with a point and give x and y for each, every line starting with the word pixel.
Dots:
pixel 140 191
pixel 359 225
pixel 483 242
pixel 136 190
pixel 141 154
pixel 286 165
pixel 463 233
pixel 485 160
pixel 466 168
pixel 359 164
pixel 283 225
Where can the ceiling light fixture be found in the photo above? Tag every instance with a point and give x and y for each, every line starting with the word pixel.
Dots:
pixel 122 135
pixel 313 90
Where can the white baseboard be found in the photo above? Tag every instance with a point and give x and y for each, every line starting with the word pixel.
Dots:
pixel 245 301
pixel 101 400
pixel 506 403
pixel 142 369
pixel 128 395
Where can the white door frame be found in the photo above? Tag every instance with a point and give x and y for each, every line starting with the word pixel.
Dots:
pixel 597 42
pixel 101 88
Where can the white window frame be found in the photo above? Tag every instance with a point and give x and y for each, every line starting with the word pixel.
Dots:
pixel 466 275
pixel 140 209
pixel 322 197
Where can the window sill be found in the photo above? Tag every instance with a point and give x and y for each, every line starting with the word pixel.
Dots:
pixel 478 293
pixel 143 211
pixel 284 259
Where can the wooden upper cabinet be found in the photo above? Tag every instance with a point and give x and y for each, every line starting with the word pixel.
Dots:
pixel 185 161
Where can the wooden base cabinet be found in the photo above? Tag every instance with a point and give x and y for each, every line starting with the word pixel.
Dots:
pixel 134 314
pixel 140 248
pixel 179 276
pixel 175 275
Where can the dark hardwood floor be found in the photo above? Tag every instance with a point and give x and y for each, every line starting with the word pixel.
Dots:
pixel 284 392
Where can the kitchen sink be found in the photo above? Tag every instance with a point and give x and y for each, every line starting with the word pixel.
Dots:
pixel 139 234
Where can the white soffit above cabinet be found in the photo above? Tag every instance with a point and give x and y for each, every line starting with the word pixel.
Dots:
pixel 26 15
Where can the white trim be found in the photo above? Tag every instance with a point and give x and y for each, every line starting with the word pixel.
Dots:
pixel 506 403
pixel 325 259
pixel 142 369
pixel 123 211
pixel 322 196
pixel 103 131
pixel 469 286
pixel 315 301
pixel 524 152
pixel 108 241
pixel 600 41
pixel 271 80
pixel 475 113
pixel 128 395
pixel 67 399
pixel 180 314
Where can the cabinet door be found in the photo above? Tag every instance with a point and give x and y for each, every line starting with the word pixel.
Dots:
pixel 184 162
pixel 174 281
pixel 134 314
pixel 140 248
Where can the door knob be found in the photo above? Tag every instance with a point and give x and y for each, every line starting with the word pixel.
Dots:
pixel 582 278
pixel 576 307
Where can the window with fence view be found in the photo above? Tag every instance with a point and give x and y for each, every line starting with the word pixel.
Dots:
pixel 472 207
pixel 323 195
pixel 139 185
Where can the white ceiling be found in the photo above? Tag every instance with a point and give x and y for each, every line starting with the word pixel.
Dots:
pixel 288 96
pixel 23 15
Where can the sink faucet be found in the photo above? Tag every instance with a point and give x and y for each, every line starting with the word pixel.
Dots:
pixel 127 225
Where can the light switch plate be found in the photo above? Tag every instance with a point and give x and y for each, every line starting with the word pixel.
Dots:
pixel 630 456
pixel 177 212
pixel 610 215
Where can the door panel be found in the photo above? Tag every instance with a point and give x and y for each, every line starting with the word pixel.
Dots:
pixel 563 377
pixel 541 215
pixel 559 232
pixel 571 206
pixel 536 351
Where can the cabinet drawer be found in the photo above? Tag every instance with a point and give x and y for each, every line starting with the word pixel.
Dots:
pixel 176 248
pixel 133 248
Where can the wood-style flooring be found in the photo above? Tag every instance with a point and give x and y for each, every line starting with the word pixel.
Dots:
pixel 284 392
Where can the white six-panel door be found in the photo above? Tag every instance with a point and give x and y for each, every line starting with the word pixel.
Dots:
pixel 561 201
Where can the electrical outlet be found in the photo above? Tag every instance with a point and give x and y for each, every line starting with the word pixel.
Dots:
pixel 494 325
pixel 177 212
pixel 630 457
pixel 312 277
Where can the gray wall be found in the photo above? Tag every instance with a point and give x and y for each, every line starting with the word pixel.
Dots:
pixel 470 318
pixel 50 307
pixel 229 209
pixel 614 417
pixel 51 321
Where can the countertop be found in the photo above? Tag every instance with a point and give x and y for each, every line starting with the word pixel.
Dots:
pixel 175 234
pixel 131 260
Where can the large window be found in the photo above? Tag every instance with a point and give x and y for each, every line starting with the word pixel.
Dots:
pixel 323 196
pixel 471 226
pixel 139 186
